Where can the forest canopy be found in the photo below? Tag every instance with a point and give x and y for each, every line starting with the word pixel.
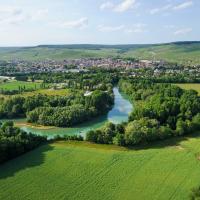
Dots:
pixel 61 111
pixel 160 111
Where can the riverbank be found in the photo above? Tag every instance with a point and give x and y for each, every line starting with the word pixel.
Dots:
pixel 119 113
pixel 34 126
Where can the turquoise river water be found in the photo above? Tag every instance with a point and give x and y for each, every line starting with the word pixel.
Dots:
pixel 119 113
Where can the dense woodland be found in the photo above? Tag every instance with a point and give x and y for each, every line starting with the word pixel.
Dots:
pixel 61 111
pixel 90 79
pixel 14 142
pixel 68 111
pixel 160 111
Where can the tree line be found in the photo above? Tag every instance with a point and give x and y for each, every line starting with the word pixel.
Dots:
pixel 79 80
pixel 14 142
pixel 61 111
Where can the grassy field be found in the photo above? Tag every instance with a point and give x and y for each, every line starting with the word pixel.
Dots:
pixel 76 170
pixel 49 92
pixel 14 85
pixel 190 86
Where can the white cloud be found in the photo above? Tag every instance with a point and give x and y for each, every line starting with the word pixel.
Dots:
pixel 183 31
pixel 161 9
pixel 121 7
pixel 169 26
pixel 40 14
pixel 134 30
pixel 171 7
pixel 15 20
pixel 107 5
pixel 125 5
pixel 183 5
pixel 11 15
pixel 137 28
pixel 15 15
pixel 104 28
pixel 9 10
pixel 80 23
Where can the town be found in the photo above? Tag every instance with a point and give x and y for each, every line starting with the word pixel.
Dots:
pixel 135 67
pixel 22 66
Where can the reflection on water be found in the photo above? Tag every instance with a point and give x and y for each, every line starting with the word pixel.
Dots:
pixel 119 113
pixel 122 108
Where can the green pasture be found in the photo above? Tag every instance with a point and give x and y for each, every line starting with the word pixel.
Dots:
pixel 79 170
pixel 14 85
pixel 49 92
pixel 190 86
pixel 36 86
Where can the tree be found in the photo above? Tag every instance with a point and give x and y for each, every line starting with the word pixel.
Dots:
pixel 91 136
pixel 165 132
pixel 14 142
pixel 181 127
pixel 133 133
pixel 119 140
pixel 196 122
pixel 141 131
pixel 195 194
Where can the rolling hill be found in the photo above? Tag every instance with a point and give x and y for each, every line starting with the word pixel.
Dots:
pixel 180 52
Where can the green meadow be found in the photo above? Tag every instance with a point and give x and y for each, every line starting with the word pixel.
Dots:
pixel 190 86
pixel 14 85
pixel 49 92
pixel 80 170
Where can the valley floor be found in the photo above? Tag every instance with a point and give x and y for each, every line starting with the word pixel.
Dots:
pixel 80 170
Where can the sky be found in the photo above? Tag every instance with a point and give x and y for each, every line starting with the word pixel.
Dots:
pixel 35 22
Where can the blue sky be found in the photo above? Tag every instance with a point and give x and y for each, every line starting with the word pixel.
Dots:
pixel 33 22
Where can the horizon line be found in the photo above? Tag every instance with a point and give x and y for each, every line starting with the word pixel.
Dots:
pixel 99 44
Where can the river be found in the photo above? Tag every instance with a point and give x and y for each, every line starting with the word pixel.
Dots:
pixel 119 113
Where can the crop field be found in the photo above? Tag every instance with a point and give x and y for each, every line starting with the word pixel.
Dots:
pixel 14 85
pixel 190 86
pixel 79 170
pixel 49 92
pixel 182 54
pixel 36 86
